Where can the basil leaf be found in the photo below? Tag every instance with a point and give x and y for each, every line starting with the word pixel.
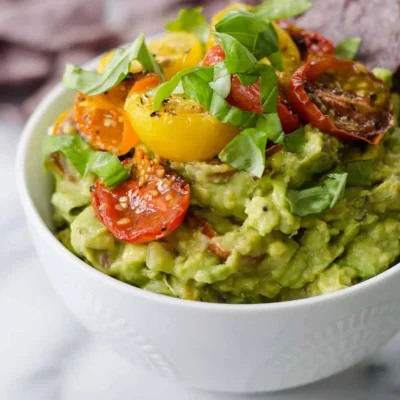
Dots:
pixel 196 86
pixel 165 90
pixel 257 34
pixel 239 61
pixel 384 74
pixel 107 167
pixel 347 49
pixel 268 88
pixel 237 58
pixel 86 160
pixel 317 199
pixel 246 152
pixel 282 9
pixel 294 142
pixel 271 125
pixel 222 80
pixel 72 146
pixel 190 20
pixel 92 83
pixel 359 173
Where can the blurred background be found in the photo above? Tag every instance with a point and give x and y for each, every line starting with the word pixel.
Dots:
pixel 44 354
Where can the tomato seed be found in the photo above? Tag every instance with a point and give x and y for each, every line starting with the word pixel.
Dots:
pixel 118 207
pixel 123 221
pixel 160 173
pixel 123 199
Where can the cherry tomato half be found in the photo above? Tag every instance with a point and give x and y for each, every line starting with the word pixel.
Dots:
pixel 247 98
pixel 342 98
pixel 308 42
pixel 148 206
pixel 103 121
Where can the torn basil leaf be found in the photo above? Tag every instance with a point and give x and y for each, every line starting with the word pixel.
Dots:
pixel 246 152
pixel 190 20
pixel 281 9
pixel 293 142
pixel 165 90
pixel 257 34
pixel 348 48
pixel 384 74
pixel 92 83
pixel 359 173
pixel 197 86
pixel 317 199
pixel 103 164
pixel 221 83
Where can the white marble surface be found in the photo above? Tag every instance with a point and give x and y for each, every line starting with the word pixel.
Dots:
pixel 45 355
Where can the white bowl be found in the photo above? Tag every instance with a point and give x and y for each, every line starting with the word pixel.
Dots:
pixel 219 347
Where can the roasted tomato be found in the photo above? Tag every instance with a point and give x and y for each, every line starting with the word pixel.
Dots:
pixel 342 98
pixel 308 42
pixel 182 130
pixel 150 205
pixel 247 98
pixel 103 121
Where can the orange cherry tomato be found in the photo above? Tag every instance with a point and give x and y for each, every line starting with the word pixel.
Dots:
pixel 103 121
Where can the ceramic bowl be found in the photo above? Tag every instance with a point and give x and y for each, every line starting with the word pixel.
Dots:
pixel 217 347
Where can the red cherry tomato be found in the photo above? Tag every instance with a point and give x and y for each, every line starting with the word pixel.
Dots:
pixel 342 98
pixel 247 98
pixel 148 206
pixel 308 42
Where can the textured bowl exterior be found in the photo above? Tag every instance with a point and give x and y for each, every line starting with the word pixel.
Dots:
pixel 234 348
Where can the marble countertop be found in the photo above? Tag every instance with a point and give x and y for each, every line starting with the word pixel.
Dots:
pixel 46 355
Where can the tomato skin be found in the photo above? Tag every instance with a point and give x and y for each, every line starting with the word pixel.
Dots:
pixel 300 95
pixel 181 130
pixel 247 98
pixel 103 121
pixel 308 42
pixel 142 210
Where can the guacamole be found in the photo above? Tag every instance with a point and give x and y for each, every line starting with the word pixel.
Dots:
pixel 259 251
pixel 245 161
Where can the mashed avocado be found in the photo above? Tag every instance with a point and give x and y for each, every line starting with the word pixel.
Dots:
pixel 260 251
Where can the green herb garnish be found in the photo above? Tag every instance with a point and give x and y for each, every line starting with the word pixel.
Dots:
pixel 282 9
pixel 319 198
pixel 359 173
pixel 384 74
pixel 257 34
pixel 190 20
pixel 92 83
pixel 86 160
pixel 348 48
pixel 246 151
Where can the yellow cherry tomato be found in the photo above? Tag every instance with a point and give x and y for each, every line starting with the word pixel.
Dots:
pixel 180 131
pixel 175 51
pixel 290 53
pixel 218 16
pixel 290 56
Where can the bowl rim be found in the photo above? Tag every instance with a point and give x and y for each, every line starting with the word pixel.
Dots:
pixel 32 215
